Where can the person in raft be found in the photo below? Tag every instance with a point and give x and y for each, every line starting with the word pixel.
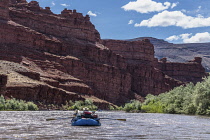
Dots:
pixel 88 114
pixel 95 116
pixel 76 113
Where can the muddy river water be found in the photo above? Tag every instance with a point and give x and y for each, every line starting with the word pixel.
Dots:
pixel 33 126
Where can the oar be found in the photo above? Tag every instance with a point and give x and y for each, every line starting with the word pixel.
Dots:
pixel 114 119
pixel 51 119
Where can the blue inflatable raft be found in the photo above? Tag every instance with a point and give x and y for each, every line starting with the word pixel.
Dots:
pixel 85 122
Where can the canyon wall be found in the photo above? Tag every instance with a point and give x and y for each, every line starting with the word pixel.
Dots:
pixel 54 58
pixel 4 9
pixel 74 63
pixel 66 25
pixel 150 76
pixel 191 71
pixel 3 82
pixel 133 51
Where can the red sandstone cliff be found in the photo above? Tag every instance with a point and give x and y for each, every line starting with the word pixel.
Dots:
pixel 149 75
pixel 53 58
pixel 191 71
pixel 62 53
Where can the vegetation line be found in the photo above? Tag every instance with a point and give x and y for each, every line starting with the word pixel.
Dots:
pixel 16 105
pixel 79 105
pixel 190 99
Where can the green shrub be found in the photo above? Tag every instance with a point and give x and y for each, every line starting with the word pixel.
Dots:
pixel 189 99
pixel 133 106
pixel 32 106
pixel 16 105
pixel 111 107
pixel 2 103
pixel 79 105
pixel 156 107
pixel 67 105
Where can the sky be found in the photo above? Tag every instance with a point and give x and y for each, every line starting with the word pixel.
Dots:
pixel 176 21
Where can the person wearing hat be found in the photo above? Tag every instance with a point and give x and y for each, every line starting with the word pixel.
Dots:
pixel 85 109
pixel 86 113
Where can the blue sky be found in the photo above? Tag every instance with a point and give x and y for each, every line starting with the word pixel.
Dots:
pixel 176 21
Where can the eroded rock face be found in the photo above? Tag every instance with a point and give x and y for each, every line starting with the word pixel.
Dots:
pixel 3 82
pixel 191 71
pixel 151 76
pixel 55 58
pixel 133 51
pixel 67 25
pixel 4 9
pixel 73 63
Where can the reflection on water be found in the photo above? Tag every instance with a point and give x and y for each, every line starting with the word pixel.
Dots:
pixel 33 126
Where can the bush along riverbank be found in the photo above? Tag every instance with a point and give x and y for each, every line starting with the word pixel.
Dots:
pixel 79 105
pixel 16 105
pixel 190 99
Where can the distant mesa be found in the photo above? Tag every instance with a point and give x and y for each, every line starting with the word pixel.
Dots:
pixel 181 52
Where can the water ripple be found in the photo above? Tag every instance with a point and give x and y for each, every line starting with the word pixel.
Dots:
pixel 32 126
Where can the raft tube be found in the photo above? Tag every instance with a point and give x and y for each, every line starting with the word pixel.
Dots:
pixel 85 122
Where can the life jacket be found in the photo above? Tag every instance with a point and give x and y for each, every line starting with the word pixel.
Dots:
pixel 87 112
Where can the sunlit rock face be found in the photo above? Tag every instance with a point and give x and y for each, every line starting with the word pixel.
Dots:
pixel 150 75
pixel 54 58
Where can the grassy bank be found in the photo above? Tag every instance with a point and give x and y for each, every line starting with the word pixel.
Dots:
pixel 16 105
pixel 190 99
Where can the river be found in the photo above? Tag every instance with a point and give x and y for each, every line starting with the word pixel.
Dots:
pixel 28 125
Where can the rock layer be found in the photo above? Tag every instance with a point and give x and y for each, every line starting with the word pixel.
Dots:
pixel 191 71
pixel 150 76
pixel 55 58
pixel 4 9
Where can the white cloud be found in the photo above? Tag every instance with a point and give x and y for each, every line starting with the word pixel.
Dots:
pixel 184 11
pixel 178 37
pixel 175 18
pixel 172 38
pixel 90 13
pixel 131 22
pixel 198 38
pixel 65 5
pixel 53 3
pixel 199 8
pixel 199 16
pixel 167 4
pixel 185 36
pixel 174 5
pixel 146 6
pixel 189 38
